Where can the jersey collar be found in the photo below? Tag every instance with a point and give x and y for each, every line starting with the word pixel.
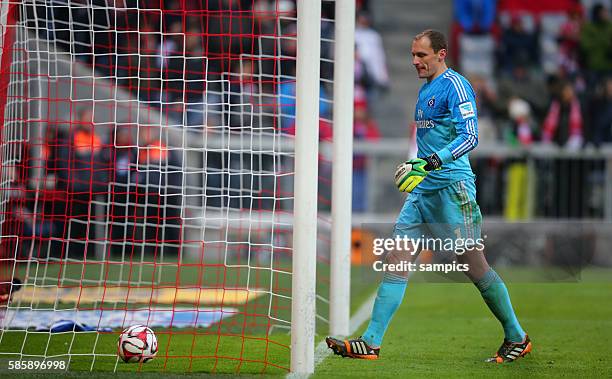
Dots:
pixel 439 76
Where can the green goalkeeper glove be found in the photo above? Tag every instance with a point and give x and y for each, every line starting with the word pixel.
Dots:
pixel 411 173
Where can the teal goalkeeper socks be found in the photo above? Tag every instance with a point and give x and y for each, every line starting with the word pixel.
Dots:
pixel 388 299
pixel 495 294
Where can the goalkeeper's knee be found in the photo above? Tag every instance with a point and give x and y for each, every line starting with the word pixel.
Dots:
pixel 397 259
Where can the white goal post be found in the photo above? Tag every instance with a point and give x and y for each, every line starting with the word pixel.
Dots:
pixel 306 150
pixel 303 293
pixel 82 83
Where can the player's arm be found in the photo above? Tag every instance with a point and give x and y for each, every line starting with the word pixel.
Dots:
pixel 462 107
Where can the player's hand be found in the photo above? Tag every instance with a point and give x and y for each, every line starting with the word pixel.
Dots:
pixel 411 173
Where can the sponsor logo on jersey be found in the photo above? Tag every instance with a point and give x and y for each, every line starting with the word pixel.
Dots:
pixel 431 102
pixel 425 124
pixel 466 110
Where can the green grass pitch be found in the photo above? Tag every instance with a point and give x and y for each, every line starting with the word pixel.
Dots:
pixel 444 330
pixel 441 330
pixel 187 352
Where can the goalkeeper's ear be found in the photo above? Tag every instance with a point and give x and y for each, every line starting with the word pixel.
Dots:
pixel 442 55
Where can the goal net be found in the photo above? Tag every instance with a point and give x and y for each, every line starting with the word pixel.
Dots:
pixel 146 174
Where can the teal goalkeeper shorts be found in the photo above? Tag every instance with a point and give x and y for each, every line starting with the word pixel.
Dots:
pixel 448 213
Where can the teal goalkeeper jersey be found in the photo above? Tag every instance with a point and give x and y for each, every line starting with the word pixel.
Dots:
pixel 447 124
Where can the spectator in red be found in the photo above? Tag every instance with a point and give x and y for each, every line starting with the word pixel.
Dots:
pixel 563 123
pixel 569 41
pixel 563 126
pixel 88 159
pixel 84 172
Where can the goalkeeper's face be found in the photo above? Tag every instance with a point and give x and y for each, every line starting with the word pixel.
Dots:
pixel 427 62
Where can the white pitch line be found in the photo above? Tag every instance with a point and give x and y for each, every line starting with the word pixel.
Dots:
pixel 362 315
pixel 322 351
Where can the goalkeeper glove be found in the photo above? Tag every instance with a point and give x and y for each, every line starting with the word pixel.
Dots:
pixel 411 173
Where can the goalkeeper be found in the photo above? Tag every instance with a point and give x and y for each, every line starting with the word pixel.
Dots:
pixel 442 201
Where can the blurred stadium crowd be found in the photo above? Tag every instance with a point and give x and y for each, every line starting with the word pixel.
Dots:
pixel 193 58
pixel 541 71
pixel 201 62
pixel 201 65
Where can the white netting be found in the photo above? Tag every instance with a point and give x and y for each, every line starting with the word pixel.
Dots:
pixel 147 176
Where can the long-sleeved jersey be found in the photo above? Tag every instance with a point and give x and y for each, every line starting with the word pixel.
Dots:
pixel 447 124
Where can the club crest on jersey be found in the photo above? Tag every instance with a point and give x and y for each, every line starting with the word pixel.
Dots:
pixel 431 102
pixel 466 110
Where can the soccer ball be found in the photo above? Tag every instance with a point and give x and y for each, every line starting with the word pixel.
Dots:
pixel 137 344
pixel 401 173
